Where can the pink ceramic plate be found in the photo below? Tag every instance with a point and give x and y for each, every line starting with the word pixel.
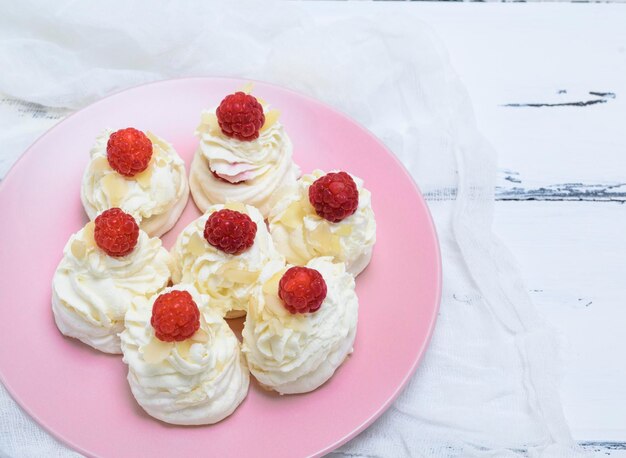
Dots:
pixel 82 397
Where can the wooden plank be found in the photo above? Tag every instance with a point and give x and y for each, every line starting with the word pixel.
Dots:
pixel 20 125
pixel 573 262
pixel 548 83
pixel 568 59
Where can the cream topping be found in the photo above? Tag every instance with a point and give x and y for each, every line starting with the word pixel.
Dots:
pixel 263 165
pixel 227 279
pixel 198 381
pixel 300 234
pixel 296 353
pixel 149 196
pixel 91 290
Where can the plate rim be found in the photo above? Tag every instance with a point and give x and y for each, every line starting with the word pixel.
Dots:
pixel 431 229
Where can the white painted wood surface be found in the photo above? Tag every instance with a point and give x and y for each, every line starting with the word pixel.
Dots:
pixel 562 183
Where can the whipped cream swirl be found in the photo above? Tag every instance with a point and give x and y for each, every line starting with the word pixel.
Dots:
pixel 251 171
pixel 228 279
pixel 91 290
pixel 300 234
pixel 296 353
pixel 198 381
pixel 155 197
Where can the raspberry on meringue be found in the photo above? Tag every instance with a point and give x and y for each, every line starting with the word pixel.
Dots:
pixel 175 316
pixel 198 380
pixel 92 290
pixel 244 155
pixel 226 269
pixel 230 231
pixel 334 196
pixel 129 151
pixel 240 116
pixel 298 352
pixel 340 225
pixel 115 232
pixel 302 290
pixel 140 173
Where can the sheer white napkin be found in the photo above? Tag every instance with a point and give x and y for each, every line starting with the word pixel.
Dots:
pixel 487 385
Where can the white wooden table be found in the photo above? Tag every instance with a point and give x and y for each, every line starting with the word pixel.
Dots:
pixel 548 83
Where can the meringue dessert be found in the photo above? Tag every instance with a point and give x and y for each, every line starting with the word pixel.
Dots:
pixel 325 215
pixel 301 325
pixel 222 254
pixel 185 365
pixel 140 173
pixel 244 155
pixel 105 265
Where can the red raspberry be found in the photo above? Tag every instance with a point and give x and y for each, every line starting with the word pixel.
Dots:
pixel 175 316
pixel 240 116
pixel 302 290
pixel 230 231
pixel 334 196
pixel 129 151
pixel 116 232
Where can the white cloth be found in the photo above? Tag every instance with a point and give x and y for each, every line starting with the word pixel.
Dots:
pixel 488 383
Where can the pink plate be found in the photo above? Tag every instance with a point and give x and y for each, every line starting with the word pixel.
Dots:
pixel 82 397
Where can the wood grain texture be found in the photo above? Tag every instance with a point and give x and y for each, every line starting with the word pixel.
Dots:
pixel 512 186
pixel 548 83
pixel 568 256
pixel 20 124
